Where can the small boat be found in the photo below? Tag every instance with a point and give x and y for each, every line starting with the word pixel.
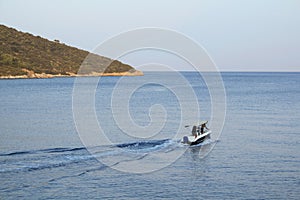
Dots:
pixel 198 134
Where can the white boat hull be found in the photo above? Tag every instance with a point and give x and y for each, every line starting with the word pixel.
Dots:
pixel 192 140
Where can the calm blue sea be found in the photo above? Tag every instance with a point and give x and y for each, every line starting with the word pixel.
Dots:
pixel 257 155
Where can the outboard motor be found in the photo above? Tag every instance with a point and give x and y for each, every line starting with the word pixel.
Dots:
pixel 185 140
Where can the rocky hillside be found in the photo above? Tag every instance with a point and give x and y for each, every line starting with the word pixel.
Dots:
pixel 23 54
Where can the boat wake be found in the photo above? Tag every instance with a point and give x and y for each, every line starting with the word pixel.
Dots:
pixel 32 160
pixel 146 146
pixel 52 150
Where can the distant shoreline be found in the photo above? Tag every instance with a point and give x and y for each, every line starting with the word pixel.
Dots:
pixel 94 74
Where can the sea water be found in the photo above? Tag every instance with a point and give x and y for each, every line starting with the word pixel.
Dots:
pixel 43 156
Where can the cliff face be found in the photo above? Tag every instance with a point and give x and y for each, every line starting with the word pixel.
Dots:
pixel 24 55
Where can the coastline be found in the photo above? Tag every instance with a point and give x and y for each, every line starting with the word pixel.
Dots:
pixel 32 75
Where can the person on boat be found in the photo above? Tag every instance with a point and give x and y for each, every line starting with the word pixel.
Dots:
pixel 194 131
pixel 202 127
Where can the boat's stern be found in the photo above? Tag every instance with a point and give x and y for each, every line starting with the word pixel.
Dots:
pixel 185 140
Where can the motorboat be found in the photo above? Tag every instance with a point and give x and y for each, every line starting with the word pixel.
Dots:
pixel 199 133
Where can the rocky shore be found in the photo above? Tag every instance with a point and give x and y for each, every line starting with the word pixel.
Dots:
pixel 31 74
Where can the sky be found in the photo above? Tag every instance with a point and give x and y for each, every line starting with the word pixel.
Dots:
pixel 239 35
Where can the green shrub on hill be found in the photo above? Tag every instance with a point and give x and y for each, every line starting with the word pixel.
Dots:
pixel 20 50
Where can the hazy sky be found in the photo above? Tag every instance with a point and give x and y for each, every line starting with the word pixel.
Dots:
pixel 240 35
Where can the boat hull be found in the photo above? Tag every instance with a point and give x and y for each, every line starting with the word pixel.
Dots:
pixel 200 140
pixel 192 140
